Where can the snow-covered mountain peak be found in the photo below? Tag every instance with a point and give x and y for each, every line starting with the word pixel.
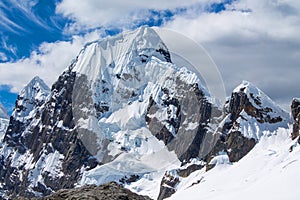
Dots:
pixel 34 87
pixel 33 94
pixel 120 53
pixel 252 112
pixel 119 69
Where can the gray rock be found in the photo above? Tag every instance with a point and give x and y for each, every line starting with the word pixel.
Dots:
pixel 295 108
pixel 111 191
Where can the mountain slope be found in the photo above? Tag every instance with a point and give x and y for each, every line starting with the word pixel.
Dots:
pixel 269 171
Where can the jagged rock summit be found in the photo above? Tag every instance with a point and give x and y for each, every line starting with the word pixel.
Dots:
pixel 251 114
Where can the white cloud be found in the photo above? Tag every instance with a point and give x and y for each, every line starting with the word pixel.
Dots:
pixel 249 20
pixel 95 13
pixel 48 62
pixel 254 40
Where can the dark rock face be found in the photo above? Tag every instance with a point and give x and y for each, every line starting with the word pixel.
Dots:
pixel 50 131
pixel 240 101
pixel 172 178
pixel 186 105
pixel 238 146
pixel 112 191
pixel 167 186
pixel 295 108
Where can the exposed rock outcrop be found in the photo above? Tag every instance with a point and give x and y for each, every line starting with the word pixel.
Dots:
pixel 173 177
pixel 250 112
pixel 295 108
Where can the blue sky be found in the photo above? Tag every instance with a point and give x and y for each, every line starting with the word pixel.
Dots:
pixel 243 44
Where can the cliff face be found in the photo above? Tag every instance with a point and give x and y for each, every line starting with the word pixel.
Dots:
pixel 295 108
pixel 42 141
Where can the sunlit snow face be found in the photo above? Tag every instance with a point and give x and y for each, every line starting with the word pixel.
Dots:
pixel 127 89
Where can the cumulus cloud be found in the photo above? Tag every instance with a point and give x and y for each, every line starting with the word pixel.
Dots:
pixel 253 40
pixel 95 13
pixel 48 62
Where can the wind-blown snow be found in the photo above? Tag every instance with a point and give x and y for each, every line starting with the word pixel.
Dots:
pixel 269 171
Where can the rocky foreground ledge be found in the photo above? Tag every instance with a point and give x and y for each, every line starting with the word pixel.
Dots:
pixel 111 191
